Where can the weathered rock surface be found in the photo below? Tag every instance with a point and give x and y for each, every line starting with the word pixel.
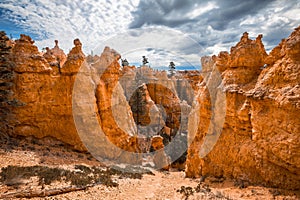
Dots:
pixel 43 98
pixel 59 54
pixel 55 56
pixel 244 62
pixel 103 117
pixel 113 109
pixel 260 138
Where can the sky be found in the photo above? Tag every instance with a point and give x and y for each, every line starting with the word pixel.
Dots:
pixel 163 30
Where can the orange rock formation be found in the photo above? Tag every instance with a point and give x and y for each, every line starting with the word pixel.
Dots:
pixel 105 102
pixel 260 138
pixel 42 97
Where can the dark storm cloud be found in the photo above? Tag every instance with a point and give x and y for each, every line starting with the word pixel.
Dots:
pixel 233 10
pixel 166 12
pixel 159 12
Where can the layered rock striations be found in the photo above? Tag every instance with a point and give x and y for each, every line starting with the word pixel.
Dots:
pixel 259 142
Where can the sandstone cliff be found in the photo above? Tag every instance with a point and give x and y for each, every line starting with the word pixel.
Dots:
pixel 259 142
pixel 42 98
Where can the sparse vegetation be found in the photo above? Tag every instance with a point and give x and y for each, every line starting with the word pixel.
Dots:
pixel 203 189
pixel 48 175
pixel 82 177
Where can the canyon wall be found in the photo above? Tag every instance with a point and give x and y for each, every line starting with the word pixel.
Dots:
pixel 39 97
pixel 259 142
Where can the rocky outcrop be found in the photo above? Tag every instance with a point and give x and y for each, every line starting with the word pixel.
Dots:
pixel 55 56
pixel 244 62
pixel 59 54
pixel 259 142
pixel 75 59
pixel 104 96
pixel 193 77
pixel 103 117
pixel 42 96
pixel 141 104
pixel 162 95
pixel 159 105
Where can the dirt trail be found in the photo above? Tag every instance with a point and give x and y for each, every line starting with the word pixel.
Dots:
pixel 158 186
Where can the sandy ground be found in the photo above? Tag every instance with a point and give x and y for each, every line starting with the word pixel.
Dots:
pixel 160 185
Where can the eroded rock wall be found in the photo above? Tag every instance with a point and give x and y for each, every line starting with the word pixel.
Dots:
pixel 259 142
pixel 106 101
pixel 42 95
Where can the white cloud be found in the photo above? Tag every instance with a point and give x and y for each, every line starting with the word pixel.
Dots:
pixel 91 21
pixel 293 14
pixel 160 44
